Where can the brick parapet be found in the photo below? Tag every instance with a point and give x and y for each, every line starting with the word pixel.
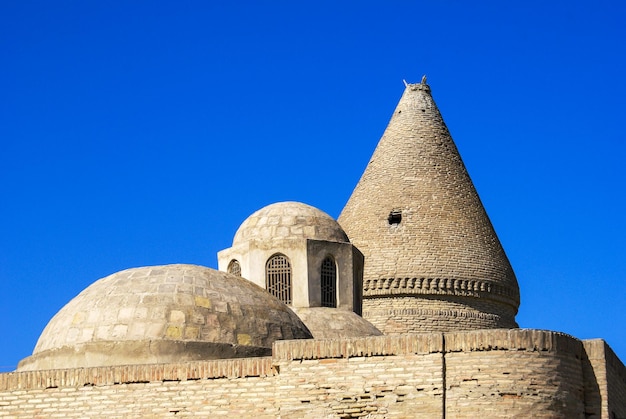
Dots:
pixel 513 340
pixel 127 374
pixel 426 343
pixel 357 347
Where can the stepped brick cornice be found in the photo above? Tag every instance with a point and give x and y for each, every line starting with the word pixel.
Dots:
pixel 440 286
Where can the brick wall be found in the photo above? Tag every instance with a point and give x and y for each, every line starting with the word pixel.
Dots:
pixel 489 373
pixel 526 373
pixel 376 377
pixel 404 314
pixel 204 388
pixel 605 381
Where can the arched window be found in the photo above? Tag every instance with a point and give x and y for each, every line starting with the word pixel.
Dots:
pixel 234 267
pixel 278 278
pixel 329 282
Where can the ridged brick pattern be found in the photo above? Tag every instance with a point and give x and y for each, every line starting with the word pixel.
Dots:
pixel 444 243
pixel 289 350
pixel 99 376
pixel 399 314
pixel 532 340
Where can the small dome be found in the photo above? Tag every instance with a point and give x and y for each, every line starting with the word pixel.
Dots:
pixel 332 323
pixel 157 314
pixel 290 220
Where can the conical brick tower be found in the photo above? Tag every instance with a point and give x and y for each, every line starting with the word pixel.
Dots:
pixel 433 261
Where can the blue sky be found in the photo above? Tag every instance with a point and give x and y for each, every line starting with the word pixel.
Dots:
pixel 143 133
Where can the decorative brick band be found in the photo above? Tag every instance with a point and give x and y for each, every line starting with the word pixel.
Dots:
pixel 425 343
pixel 99 376
pixel 441 286
pixel 513 340
pixel 419 312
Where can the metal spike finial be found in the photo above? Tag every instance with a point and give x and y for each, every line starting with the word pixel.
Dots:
pixel 423 79
pixel 405 83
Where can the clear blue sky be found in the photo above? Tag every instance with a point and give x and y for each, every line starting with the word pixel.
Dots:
pixel 144 132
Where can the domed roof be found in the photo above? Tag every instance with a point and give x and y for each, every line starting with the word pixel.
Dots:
pixel 158 314
pixel 290 220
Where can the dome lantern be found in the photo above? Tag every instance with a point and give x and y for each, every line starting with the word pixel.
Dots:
pixel 299 254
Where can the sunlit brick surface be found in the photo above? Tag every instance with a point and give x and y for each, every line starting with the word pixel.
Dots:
pixel 416 217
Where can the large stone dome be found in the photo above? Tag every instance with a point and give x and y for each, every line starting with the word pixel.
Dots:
pixel 290 220
pixel 157 314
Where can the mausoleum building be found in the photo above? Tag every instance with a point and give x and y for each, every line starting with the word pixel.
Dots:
pixel 403 307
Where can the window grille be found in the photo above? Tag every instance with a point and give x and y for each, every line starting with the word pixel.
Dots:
pixel 234 267
pixel 329 282
pixel 278 278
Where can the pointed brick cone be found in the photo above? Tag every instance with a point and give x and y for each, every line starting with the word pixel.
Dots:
pixel 433 261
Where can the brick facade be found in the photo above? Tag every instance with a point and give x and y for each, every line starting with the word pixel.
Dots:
pixel 495 373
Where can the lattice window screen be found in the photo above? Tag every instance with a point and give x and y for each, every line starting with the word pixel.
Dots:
pixel 329 282
pixel 234 267
pixel 278 278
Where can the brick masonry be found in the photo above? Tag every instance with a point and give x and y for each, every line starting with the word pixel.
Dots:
pixel 430 313
pixel 434 267
pixel 487 373
pixel 605 381
pixel 443 242
pixel 164 314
